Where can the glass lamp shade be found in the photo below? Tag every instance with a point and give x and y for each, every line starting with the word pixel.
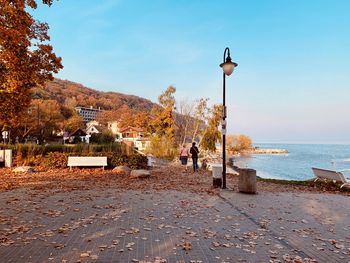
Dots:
pixel 228 67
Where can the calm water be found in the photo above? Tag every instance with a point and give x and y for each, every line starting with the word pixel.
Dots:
pixel 297 164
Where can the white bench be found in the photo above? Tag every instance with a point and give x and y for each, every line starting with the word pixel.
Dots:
pixel 329 175
pixel 87 161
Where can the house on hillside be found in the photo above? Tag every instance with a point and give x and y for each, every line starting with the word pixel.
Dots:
pixel 94 127
pixel 134 136
pixel 77 136
pixel 131 133
pixel 113 127
pixel 142 144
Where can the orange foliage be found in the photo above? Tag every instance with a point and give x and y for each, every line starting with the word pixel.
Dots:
pixel 26 60
pixel 238 143
pixel 73 94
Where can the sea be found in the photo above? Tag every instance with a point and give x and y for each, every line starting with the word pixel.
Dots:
pixel 296 165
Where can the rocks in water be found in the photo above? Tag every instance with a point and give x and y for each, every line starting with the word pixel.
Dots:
pixel 140 173
pixel 23 169
pixel 265 151
pixel 122 169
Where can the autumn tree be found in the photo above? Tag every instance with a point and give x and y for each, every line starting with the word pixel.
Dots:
pixel 133 118
pixel 26 58
pixel 163 123
pixel 162 126
pixel 200 115
pixel 238 143
pixel 212 134
pixel 184 119
pixel 125 117
pixel 74 122
pixel 103 117
pixel 48 117
pixel 41 120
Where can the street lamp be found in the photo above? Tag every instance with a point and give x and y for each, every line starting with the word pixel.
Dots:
pixel 4 134
pixel 227 66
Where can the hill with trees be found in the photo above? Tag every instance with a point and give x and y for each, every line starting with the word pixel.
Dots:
pixel 52 109
pixel 70 94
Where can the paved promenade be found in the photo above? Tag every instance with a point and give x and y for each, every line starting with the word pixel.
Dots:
pixel 111 225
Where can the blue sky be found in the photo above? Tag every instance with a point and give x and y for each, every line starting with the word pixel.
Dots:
pixel 292 83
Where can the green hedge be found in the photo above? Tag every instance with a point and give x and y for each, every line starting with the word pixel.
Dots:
pixel 134 161
pixel 28 154
pixel 26 150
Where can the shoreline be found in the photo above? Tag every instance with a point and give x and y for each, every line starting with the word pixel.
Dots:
pixel 265 151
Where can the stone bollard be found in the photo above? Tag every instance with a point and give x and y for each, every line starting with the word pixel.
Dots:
pixel 247 181
pixel 217 175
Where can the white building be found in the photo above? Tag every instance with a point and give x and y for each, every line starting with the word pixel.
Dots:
pixel 113 127
pixel 88 114
pixel 134 136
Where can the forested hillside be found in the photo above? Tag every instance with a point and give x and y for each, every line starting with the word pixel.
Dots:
pixel 70 94
pixel 51 109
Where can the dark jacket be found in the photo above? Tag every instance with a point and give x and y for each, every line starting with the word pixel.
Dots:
pixel 194 151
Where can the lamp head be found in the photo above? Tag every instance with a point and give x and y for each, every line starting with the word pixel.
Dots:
pixel 228 66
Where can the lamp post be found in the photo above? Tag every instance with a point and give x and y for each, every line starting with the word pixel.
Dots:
pixel 227 66
pixel 5 135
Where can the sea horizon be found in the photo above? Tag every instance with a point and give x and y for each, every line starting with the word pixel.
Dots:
pixel 303 142
pixel 297 163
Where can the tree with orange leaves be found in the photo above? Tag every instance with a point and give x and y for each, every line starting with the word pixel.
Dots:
pixel 26 58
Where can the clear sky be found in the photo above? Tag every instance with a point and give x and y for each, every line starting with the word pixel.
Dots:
pixel 292 83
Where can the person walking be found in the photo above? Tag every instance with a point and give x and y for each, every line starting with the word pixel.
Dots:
pixel 184 156
pixel 194 153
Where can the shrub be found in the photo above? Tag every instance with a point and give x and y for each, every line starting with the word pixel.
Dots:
pixel 76 140
pixel 135 161
pixel 162 147
pixel 56 148
pixel 26 152
pixel 238 143
pixel 36 160
pixel 33 154
pixel 56 160
pixel 102 138
pixel 117 160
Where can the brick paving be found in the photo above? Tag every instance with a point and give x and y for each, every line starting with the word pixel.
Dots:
pixel 113 225
pixel 316 225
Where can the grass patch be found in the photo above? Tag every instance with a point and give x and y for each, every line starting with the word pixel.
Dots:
pixel 320 185
pixel 285 182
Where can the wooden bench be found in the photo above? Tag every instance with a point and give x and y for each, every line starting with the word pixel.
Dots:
pixel 87 161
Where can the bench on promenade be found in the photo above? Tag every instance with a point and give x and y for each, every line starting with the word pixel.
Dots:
pixel 87 161
pixel 329 175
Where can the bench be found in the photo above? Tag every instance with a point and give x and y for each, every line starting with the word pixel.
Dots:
pixel 87 161
pixel 329 175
